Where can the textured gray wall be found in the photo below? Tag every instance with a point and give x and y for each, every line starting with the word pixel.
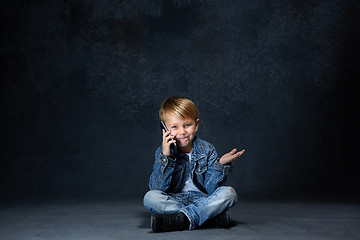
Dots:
pixel 82 81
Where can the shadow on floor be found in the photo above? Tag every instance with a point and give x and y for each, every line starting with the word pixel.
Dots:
pixel 145 219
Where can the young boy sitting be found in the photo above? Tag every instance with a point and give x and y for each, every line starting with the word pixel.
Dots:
pixel 187 185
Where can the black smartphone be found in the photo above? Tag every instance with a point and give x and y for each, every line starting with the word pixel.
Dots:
pixel 173 147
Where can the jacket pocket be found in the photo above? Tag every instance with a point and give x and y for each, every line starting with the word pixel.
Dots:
pixel 201 168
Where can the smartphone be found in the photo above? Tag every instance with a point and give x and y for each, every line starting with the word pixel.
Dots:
pixel 173 147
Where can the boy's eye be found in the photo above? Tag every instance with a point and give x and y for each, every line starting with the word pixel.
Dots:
pixel 173 127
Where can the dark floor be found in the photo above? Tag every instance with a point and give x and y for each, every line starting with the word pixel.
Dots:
pixel 67 220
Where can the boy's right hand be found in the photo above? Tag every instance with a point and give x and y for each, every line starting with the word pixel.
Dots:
pixel 167 141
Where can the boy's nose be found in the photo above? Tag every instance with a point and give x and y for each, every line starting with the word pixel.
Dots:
pixel 182 131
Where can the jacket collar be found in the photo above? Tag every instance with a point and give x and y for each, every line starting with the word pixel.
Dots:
pixel 198 149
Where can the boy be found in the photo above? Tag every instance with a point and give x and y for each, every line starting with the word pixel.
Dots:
pixel 187 187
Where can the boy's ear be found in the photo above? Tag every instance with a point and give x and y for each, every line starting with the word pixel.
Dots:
pixel 197 124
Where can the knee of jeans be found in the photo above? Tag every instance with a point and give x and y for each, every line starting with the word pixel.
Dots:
pixel 152 195
pixel 229 193
pixel 157 201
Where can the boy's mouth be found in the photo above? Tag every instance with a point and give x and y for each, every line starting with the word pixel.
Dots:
pixel 181 138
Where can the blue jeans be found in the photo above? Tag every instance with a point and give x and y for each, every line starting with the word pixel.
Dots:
pixel 197 206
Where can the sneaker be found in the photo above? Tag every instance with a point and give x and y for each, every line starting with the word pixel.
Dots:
pixel 169 222
pixel 223 220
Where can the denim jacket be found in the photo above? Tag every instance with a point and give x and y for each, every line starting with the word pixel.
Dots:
pixel 170 173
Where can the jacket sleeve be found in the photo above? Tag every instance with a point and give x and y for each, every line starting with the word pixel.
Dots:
pixel 216 173
pixel 163 169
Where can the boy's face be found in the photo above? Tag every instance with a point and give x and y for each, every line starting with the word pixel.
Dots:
pixel 183 129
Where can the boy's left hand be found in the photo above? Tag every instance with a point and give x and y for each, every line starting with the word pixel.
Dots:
pixel 231 156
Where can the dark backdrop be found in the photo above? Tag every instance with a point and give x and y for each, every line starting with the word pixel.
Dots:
pixel 82 81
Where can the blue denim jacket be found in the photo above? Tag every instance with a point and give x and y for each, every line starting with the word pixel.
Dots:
pixel 170 173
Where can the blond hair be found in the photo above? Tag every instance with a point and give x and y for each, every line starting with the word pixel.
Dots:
pixel 181 107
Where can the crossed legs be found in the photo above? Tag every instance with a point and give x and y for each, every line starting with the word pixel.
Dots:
pixel 198 207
